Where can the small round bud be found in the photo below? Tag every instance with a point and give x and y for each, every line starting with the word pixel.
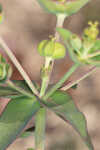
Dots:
pixel 2 71
pixel 5 69
pixel 50 48
pixel 46 48
pixel 59 51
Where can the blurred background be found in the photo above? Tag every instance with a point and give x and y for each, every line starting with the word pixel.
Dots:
pixel 25 25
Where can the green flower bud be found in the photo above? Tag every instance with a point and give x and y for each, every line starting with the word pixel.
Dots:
pixel 92 31
pixel 59 51
pixel 5 70
pixel 46 48
pixel 9 71
pixel 89 39
pixel 2 71
pixel 50 48
pixel 85 50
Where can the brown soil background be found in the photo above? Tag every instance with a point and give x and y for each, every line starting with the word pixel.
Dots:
pixel 24 26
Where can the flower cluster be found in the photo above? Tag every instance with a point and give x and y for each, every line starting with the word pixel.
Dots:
pixel 85 50
pixel 89 46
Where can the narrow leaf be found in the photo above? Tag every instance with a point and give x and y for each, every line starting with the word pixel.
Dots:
pixel 96 47
pixel 70 114
pixel 8 92
pixel 58 98
pixel 66 36
pixel 15 117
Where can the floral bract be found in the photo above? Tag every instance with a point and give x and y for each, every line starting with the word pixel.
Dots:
pixel 51 48
pixel 62 6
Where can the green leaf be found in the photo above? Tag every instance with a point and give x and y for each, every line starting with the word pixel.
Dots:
pixel 96 58
pixel 96 47
pixel 70 114
pixel 30 149
pixel 65 34
pixel 67 8
pixel 8 92
pixel 15 117
pixel 93 62
pixel 67 37
pixel 95 50
pixel 58 98
pixel 23 84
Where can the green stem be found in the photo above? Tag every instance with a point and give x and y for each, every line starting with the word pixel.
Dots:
pixel 43 86
pixel 60 22
pixel 18 66
pixel 40 123
pixel 68 86
pixel 45 78
pixel 40 119
pixel 60 83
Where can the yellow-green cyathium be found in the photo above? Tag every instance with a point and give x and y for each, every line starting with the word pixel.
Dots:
pixel 51 48
pixel 85 49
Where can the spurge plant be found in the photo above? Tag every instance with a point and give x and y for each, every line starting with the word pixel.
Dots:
pixel 30 99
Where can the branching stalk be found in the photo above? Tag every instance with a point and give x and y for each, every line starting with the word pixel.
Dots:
pixel 68 86
pixel 40 120
pixel 18 66
pixel 61 82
